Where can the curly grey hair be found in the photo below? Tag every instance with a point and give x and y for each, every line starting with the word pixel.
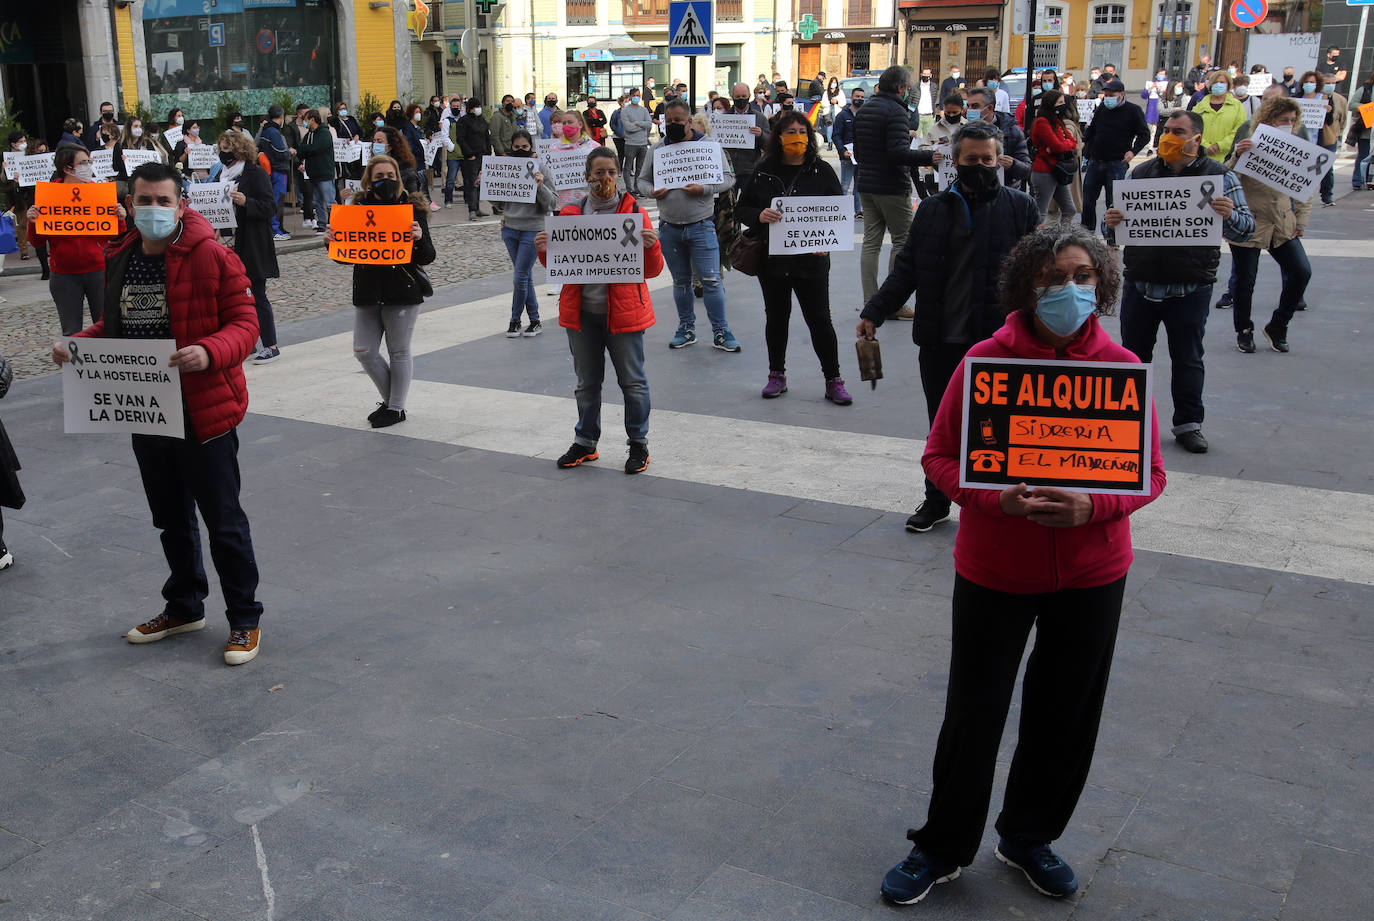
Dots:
pixel 1022 272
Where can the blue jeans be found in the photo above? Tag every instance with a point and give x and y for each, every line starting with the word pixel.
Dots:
pixel 589 346
pixel 1185 321
pixel 451 179
pixel 847 173
pixel 1098 175
pixel 322 192
pixel 1329 180
pixel 1361 158
pixel 1296 271
pixel 694 245
pixel 278 192
pixel 520 245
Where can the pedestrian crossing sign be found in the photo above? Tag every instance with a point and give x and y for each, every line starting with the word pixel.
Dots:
pixel 690 26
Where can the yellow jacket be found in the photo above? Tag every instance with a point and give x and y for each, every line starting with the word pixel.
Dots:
pixel 1219 125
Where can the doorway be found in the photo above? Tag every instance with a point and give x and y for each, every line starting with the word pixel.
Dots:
pixel 808 63
pixel 43 71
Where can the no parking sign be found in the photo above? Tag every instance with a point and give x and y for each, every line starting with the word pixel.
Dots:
pixel 266 41
pixel 1247 14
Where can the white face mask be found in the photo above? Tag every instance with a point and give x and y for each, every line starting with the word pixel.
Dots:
pixel 136 132
pixel 477 111
pixel 181 119
pixel 85 172
pixel 21 146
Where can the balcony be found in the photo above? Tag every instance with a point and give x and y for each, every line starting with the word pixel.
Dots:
pixel 645 13
pixel 581 12
pixel 729 10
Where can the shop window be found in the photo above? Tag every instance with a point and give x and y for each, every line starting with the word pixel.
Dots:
pixel 975 55
pixel 858 57
pixel 261 50
pixel 860 14
pixel 1109 17
pixel 581 12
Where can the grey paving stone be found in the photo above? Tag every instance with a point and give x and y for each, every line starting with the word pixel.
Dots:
pixel 1191 611
pixel 730 894
pixel 1132 886
pixel 1342 821
pixel 538 898
pixel 843 684
pixel 14 848
pixel 1329 881
pixel 146 906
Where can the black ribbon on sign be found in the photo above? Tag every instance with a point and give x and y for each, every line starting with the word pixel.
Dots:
pixel 370 215
pixel 76 357
pixel 76 193
pixel 529 168
pixel 1320 166
pixel 630 238
pixel 1206 190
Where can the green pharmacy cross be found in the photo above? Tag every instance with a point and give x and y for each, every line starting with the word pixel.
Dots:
pixel 808 26
pixel 484 6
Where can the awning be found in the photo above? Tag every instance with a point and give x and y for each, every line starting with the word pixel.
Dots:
pixel 616 48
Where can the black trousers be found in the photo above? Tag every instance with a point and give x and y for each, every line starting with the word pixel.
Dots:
pixel 1061 707
pixel 267 324
pixel 471 194
pixel 938 364
pixel 179 476
pixel 813 297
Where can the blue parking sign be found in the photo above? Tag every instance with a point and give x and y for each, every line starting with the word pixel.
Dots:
pixel 216 35
pixel 690 26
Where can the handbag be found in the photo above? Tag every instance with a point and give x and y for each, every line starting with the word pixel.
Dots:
pixel 746 253
pixel 421 279
pixel 1065 168
pixel 8 242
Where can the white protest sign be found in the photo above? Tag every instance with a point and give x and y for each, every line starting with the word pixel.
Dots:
pixel 211 199
pixel 688 163
pixel 122 385
pixel 345 151
pixel 432 148
pixel 10 157
pixel 102 161
pixel 595 249
pixel 1285 162
pixel 172 135
pixel 1313 113
pixel 351 186
pixel 1086 108
pixel 542 146
pixel 732 131
pixel 201 156
pixel 1176 211
pixel 1260 82
pixel 567 167
pixel 850 149
pixel 509 179
pixel 35 168
pixel 133 159
pixel 812 224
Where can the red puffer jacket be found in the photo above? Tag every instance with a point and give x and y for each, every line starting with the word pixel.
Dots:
pixel 631 308
pixel 211 306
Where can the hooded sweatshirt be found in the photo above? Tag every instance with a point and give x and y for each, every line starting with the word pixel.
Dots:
pixel 1014 554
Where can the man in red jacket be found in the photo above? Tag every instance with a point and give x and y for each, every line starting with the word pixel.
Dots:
pixel 169 278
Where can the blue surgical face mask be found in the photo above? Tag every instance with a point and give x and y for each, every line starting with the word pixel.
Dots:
pixel 1219 88
pixel 1047 84
pixel 1111 102
pixel 378 149
pixel 1309 87
pixel 1329 88
pixel 1064 308
pixel 155 222
pixel 994 84
pixel 1036 91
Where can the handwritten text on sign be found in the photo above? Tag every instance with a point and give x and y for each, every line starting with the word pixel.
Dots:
pixel 688 163
pixel 35 168
pixel 595 249
pixel 371 234
pixel 212 200
pixel 1169 212
pixel 1285 162
pixel 732 131
pixel 122 385
pixel 76 209
pixel 1082 425
pixel 812 224
pixel 509 179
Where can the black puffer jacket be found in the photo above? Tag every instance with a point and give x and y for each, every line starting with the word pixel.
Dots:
pixel 882 147
pixel 816 178
pixel 391 285
pixel 922 266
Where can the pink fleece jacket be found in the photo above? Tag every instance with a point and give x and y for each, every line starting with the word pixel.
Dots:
pixel 1012 554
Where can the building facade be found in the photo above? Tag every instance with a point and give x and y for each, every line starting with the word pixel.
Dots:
pixel 941 34
pixel 844 38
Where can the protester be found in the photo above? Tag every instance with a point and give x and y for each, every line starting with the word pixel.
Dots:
pixel 503 126
pixel 688 236
pixel 1173 284
pixel 388 297
pixel 882 150
pixel 519 224
pixel 1015 158
pixel 346 127
pixel 608 318
pixel 617 131
pixel 1290 82
pixel 1280 222
pixel 791 166
pixel 951 261
pixel 316 153
pixel 71 133
pixel 1046 558
pixel 1360 132
pixel 11 494
pixel 293 132
pixel 20 198
pixel 938 138
pixel 253 210
pixel 190 137
pixel 169 279
pixel 104 120
pixel 1118 131
pixel 77 262
pixel 1056 155
pixel 1240 88
pixel 744 161
pixel 830 107
pixel 547 115
pixel 1221 115
pixel 132 137
pixel 570 133
pixel 635 121
pixel 596 121
pixel 394 145
pixel 474 141
pixel 272 143
pixel 1000 98
pixel 1029 106
pixel 1328 134
pixel 842 133
pixel 1200 72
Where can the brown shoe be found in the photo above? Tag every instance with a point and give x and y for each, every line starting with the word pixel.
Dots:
pixel 161 627
pixel 906 313
pixel 242 646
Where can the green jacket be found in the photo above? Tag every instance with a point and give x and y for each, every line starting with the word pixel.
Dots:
pixel 503 128
pixel 316 151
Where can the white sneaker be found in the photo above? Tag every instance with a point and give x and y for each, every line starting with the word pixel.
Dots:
pixel 308 222
pixel 6 558
pixel 281 236
pixel 554 289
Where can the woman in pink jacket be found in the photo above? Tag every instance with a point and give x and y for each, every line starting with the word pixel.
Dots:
pixel 1049 558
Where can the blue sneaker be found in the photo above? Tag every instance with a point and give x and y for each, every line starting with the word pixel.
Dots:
pixel 910 881
pixel 682 338
pixel 726 341
pixel 1048 874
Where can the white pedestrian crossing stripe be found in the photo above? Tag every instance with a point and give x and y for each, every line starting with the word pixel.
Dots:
pixel 1292 529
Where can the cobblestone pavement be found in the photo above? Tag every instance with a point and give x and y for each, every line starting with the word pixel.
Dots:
pixel 310 285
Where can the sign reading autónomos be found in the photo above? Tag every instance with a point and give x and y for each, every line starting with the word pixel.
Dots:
pixel 1082 425
pixel 1169 212
pixel 595 249
pixel 688 163
pixel 371 234
pixel 122 385
pixel 812 224
pixel 1285 162
pixel 510 179
pixel 76 209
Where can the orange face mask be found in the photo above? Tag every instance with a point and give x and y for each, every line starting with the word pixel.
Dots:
pixel 1171 148
pixel 794 145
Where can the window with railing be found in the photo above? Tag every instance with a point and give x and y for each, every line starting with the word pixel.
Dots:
pixel 814 8
pixel 860 13
pixel 646 12
pixel 730 10
pixel 581 12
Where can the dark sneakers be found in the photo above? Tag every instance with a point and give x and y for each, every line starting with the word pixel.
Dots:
pixel 913 878
pixel 386 416
pixel 1193 442
pixel 928 515
pixel 638 460
pixel 1048 874
pixel 1278 338
pixel 577 454
pixel 1245 340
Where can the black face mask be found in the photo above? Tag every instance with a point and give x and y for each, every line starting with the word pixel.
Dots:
pixel 226 157
pixel 675 132
pixel 509 106
pixel 521 152
pixel 742 104
pixel 978 183
pixel 856 103
pixel 458 111
pixel 386 189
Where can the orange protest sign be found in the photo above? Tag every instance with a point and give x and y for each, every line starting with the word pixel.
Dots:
pixel 371 234
pixel 76 209
pixel 1367 114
